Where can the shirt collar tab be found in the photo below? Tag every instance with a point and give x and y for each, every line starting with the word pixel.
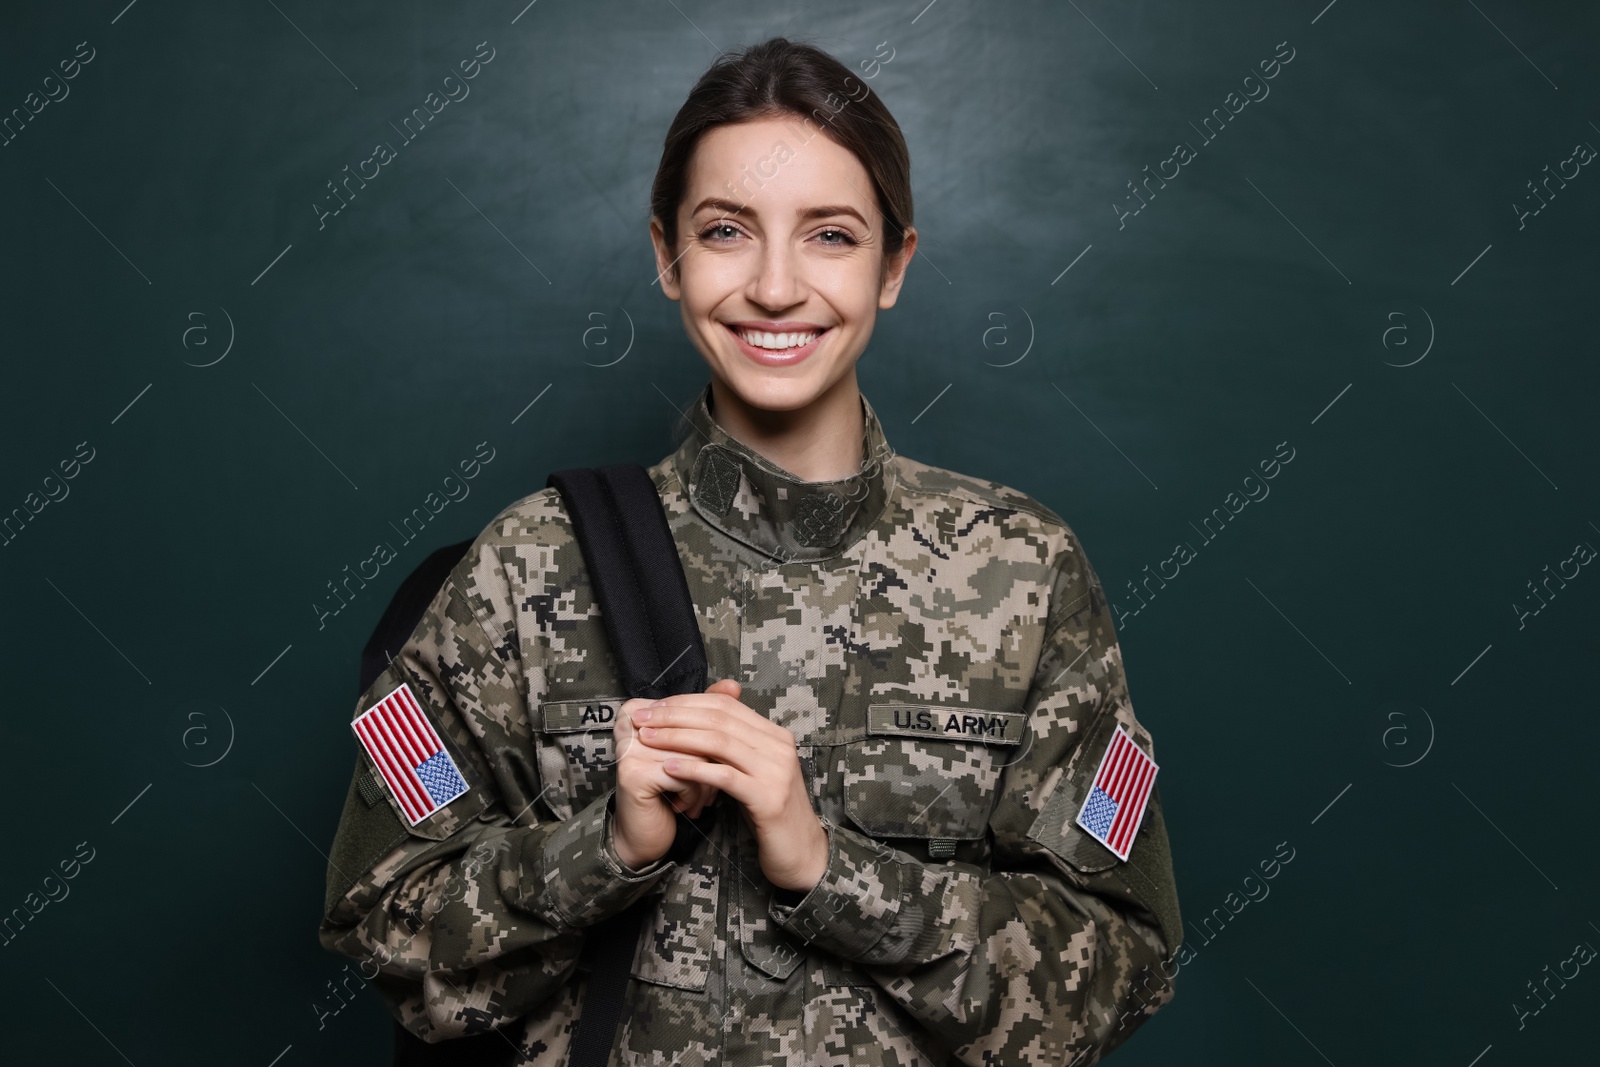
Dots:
pixel 757 502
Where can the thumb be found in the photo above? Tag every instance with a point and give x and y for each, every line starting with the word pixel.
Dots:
pixel 725 687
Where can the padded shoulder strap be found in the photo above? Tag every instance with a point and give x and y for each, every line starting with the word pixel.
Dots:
pixel 649 617
pixel 637 576
pixel 644 599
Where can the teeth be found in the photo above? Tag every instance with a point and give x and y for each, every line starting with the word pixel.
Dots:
pixel 777 341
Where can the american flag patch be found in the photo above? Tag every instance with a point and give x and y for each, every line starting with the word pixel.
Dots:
pixel 1115 804
pixel 409 755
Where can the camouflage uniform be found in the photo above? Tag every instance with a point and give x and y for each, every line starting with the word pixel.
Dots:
pixel 945 657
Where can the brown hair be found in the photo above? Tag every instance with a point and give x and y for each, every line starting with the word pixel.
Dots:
pixel 778 77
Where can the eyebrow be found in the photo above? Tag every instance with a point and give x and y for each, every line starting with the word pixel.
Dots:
pixel 731 207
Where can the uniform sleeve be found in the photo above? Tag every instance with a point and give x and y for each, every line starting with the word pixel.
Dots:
pixel 1057 951
pixel 475 915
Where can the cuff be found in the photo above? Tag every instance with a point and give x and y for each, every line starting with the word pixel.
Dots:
pixel 854 903
pixel 608 847
pixel 575 879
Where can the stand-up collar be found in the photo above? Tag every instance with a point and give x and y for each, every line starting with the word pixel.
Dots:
pixel 753 500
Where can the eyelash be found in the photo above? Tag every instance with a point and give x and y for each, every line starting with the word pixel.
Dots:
pixel 848 241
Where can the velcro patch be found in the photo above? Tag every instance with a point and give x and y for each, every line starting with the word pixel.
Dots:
pixel 409 755
pixel 591 713
pixel 935 722
pixel 1114 807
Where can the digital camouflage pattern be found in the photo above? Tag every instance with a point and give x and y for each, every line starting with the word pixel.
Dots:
pixel 945 657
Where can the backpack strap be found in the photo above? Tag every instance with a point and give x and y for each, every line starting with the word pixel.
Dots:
pixel 638 578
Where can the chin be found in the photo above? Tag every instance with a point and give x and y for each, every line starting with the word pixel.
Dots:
pixel 774 390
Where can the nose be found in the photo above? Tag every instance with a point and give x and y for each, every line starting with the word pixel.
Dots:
pixel 778 281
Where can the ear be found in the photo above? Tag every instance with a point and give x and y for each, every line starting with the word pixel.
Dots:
pixel 895 276
pixel 666 260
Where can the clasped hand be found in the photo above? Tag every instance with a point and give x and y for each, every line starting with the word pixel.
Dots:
pixel 678 753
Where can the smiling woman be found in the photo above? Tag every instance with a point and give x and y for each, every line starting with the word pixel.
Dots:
pixel 825 234
pixel 933 833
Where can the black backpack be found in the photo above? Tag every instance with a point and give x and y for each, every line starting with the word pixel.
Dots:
pixel 644 600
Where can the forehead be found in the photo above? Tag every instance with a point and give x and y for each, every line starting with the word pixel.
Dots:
pixel 779 166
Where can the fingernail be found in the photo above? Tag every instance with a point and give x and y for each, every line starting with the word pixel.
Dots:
pixel 647 731
pixel 671 765
pixel 642 714
pixel 659 704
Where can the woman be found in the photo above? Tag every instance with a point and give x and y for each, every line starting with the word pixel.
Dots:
pixel 917 682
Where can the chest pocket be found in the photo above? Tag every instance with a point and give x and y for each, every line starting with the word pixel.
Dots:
pixel 928 771
pixel 576 751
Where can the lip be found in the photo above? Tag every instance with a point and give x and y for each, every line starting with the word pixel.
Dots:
pixel 767 357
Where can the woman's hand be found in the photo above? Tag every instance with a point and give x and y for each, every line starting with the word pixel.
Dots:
pixel 712 740
pixel 646 796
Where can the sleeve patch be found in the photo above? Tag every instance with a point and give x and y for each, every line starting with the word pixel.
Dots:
pixel 1097 809
pixel 409 755
pixel 1114 806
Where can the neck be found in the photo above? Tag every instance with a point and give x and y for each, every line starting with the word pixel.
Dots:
pixel 820 442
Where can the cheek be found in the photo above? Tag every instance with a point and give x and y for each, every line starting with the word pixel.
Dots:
pixel 708 280
pixel 851 290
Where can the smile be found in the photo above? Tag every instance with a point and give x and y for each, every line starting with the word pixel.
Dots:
pixel 777 349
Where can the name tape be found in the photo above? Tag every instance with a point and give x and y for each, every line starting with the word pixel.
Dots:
pixel 955 724
pixel 593 713
pixel 903 720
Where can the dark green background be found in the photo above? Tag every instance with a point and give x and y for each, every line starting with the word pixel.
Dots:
pixel 1178 351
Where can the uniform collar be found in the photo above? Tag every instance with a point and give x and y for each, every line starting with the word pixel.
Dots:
pixel 757 502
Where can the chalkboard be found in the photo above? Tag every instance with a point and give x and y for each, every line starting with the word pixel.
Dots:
pixel 1287 309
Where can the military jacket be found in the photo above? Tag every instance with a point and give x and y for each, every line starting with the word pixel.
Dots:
pixel 944 655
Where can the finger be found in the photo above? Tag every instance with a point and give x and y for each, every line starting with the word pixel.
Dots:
pixel 629 711
pixel 708 797
pixel 695 796
pixel 734 719
pixel 631 705
pixel 660 751
pixel 715 745
pixel 623 734
pixel 725 778
pixel 716 703
pixel 656 782
pixel 702 800
pixel 627 736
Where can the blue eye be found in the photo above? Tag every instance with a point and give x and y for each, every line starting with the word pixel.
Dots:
pixel 841 238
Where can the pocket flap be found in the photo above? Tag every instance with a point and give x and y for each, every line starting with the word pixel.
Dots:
pixel 681 943
pixel 928 771
pixel 765 946
pixel 575 750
